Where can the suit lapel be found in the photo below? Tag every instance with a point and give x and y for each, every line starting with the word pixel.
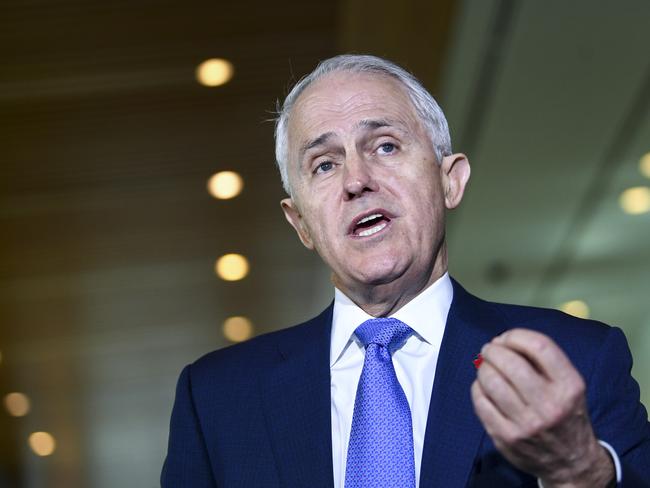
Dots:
pixel 454 432
pixel 296 397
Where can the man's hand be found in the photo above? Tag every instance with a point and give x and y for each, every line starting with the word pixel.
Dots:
pixel 531 401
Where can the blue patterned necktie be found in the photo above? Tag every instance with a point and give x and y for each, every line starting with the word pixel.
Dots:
pixel 380 453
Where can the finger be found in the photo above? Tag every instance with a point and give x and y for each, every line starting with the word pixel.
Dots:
pixel 526 380
pixel 496 425
pixel 501 392
pixel 539 349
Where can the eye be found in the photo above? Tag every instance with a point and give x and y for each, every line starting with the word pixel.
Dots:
pixel 386 148
pixel 324 167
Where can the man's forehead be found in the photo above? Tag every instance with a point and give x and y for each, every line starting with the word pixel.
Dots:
pixel 340 89
pixel 363 100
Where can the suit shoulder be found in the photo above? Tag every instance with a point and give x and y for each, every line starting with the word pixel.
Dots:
pixel 504 316
pixel 567 330
pixel 257 353
pixel 537 316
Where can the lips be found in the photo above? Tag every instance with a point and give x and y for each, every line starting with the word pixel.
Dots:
pixel 370 222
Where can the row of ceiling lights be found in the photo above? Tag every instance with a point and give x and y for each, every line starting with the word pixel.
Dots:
pixel 226 185
pixel 18 405
pixel 231 267
pixel 634 201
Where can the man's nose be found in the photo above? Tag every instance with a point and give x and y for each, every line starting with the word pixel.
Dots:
pixel 358 177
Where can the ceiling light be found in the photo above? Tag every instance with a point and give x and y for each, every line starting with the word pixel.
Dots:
pixel 17 404
pixel 237 329
pixel 644 165
pixel 214 72
pixel 225 185
pixel 635 200
pixel 232 267
pixel 577 308
pixel 42 443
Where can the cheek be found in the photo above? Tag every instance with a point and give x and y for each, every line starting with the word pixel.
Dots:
pixel 430 213
pixel 321 226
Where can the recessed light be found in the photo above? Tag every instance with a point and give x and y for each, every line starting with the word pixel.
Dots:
pixel 635 200
pixel 17 404
pixel 232 267
pixel 42 443
pixel 225 184
pixel 644 165
pixel 214 72
pixel 238 328
pixel 577 308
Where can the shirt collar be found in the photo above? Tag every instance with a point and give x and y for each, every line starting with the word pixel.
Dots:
pixel 426 314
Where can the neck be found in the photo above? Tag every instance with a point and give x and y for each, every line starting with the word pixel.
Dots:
pixel 387 298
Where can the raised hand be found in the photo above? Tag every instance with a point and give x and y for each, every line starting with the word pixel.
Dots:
pixel 531 401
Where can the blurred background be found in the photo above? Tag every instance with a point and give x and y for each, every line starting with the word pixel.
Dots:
pixel 126 251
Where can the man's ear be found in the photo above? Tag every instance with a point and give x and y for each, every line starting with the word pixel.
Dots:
pixel 455 173
pixel 293 216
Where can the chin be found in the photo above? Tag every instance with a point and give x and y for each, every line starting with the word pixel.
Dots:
pixel 380 273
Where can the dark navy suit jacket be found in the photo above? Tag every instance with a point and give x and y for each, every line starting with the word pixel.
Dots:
pixel 257 414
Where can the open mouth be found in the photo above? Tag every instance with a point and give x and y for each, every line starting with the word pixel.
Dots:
pixel 370 223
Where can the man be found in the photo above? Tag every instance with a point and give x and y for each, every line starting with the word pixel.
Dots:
pixel 379 390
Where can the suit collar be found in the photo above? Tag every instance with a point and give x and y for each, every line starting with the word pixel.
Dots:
pixel 425 314
pixel 454 432
pixel 296 397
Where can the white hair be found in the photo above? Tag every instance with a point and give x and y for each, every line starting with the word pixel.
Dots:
pixel 426 107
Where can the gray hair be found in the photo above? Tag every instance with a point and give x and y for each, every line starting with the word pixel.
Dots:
pixel 426 107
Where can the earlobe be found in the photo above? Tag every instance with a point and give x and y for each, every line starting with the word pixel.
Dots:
pixel 455 171
pixel 294 217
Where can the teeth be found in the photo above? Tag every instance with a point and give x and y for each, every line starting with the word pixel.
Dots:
pixel 369 217
pixel 372 230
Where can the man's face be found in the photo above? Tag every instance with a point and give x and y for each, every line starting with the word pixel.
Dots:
pixel 368 193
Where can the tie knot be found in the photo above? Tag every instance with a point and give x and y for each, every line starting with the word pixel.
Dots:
pixel 387 332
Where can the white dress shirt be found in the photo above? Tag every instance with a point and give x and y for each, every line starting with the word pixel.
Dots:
pixel 415 364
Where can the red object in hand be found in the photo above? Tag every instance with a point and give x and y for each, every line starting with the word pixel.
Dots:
pixel 478 361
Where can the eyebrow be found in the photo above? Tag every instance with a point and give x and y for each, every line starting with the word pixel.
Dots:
pixel 322 139
pixel 375 124
pixel 319 141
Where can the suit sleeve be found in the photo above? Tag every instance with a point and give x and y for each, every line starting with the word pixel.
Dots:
pixel 618 416
pixel 187 463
